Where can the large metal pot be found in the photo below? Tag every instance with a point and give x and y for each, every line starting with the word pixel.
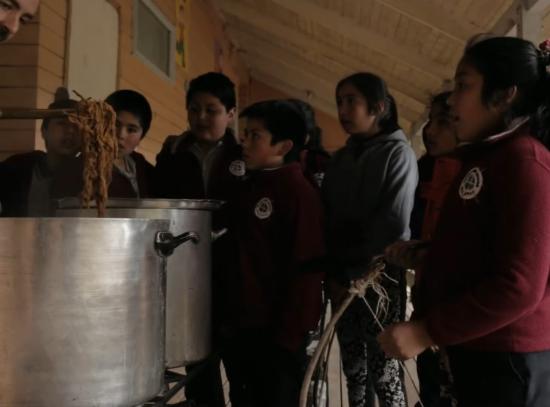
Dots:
pixel 189 294
pixel 81 311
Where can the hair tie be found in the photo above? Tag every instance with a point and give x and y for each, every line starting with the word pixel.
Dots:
pixel 545 45
pixel 544 53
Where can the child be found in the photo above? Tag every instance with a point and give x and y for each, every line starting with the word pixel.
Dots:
pixel 313 158
pixel 484 293
pixel 27 178
pixel 277 230
pixel 369 193
pixel 132 175
pixel 441 171
pixel 205 161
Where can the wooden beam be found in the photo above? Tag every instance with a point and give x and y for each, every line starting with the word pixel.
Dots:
pixel 531 22
pixel 287 71
pixel 255 45
pixel 508 19
pixel 352 31
pixel 276 32
pixel 434 17
pixel 295 92
pixel 315 101
pixel 406 126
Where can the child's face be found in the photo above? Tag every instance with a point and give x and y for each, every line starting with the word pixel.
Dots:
pixel 208 117
pixel 353 111
pixel 62 137
pixel 129 132
pixel 14 13
pixel 258 152
pixel 473 120
pixel 439 133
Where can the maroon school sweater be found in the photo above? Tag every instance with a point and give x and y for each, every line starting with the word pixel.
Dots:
pixel 277 226
pixel 179 175
pixel 486 281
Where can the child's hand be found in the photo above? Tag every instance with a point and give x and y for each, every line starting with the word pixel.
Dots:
pixel 405 340
pixel 406 254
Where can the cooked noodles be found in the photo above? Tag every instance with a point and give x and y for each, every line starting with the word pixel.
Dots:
pixel 96 122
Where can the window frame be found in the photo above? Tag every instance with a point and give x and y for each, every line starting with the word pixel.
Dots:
pixel 171 29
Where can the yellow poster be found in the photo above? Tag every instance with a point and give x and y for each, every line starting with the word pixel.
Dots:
pixel 182 10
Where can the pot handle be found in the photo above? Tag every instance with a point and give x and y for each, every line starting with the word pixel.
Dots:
pixel 216 234
pixel 166 242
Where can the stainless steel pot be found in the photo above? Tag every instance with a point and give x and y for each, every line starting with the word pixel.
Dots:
pixel 189 294
pixel 81 311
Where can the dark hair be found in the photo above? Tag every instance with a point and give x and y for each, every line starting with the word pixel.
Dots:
pixel 374 90
pixel 390 122
pixel 282 120
pixel 59 104
pixel 306 111
pixel 504 62
pixel 216 84
pixel 132 102
pixel 438 101
pixel 477 38
pixel 314 132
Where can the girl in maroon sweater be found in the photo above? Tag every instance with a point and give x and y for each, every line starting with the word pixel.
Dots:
pixel 485 293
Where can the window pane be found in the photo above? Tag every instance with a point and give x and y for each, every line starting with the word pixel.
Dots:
pixel 153 38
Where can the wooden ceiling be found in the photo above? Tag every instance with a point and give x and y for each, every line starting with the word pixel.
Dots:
pixel 303 47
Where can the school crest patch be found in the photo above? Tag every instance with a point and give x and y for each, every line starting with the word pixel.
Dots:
pixel 237 168
pixel 319 177
pixel 263 209
pixel 471 184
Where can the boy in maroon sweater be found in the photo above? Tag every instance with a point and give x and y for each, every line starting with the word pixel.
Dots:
pixel 205 161
pixel 276 232
pixel 28 180
pixel 132 173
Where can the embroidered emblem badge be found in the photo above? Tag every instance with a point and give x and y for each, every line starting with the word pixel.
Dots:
pixel 319 177
pixel 263 209
pixel 237 168
pixel 471 184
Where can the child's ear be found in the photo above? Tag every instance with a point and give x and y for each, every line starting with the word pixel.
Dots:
pixel 231 113
pixel 503 99
pixel 285 147
pixel 378 109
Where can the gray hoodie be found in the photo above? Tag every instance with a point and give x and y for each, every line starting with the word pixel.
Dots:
pixel 368 192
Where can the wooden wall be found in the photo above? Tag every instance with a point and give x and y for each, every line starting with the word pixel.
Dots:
pixel 31 68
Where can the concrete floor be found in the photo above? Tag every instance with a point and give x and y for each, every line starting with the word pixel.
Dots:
pixel 337 393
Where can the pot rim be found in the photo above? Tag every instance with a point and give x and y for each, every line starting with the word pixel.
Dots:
pixel 149 203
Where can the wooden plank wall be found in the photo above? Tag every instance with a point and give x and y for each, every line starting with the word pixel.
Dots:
pixel 51 53
pixel 167 97
pixel 31 68
pixel 18 80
